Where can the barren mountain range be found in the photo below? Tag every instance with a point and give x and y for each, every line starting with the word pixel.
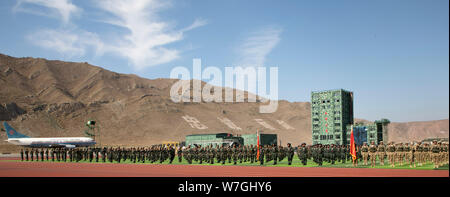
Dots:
pixel 43 98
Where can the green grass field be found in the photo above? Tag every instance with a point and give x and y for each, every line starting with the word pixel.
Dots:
pixel 284 163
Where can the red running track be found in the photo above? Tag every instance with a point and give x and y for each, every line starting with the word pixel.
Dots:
pixel 48 169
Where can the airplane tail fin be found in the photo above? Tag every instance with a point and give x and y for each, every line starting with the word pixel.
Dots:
pixel 11 132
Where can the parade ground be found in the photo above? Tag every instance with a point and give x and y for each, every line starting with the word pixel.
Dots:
pixel 13 167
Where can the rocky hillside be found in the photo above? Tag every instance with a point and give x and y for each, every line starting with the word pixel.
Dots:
pixel 54 98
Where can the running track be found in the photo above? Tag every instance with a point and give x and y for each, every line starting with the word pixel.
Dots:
pixel 48 169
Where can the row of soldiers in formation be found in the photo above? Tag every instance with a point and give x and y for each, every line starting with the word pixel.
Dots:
pixel 418 153
pixel 159 153
pixel 411 153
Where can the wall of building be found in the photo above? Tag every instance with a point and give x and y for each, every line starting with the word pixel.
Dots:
pixel 224 138
pixel 366 133
pixel 331 111
pixel 265 139
pixel 212 139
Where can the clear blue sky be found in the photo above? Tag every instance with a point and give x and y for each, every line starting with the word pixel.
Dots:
pixel 392 54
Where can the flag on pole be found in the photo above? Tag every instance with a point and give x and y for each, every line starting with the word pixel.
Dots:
pixel 257 144
pixel 352 145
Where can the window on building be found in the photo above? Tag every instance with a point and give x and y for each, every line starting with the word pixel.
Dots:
pixel 330 137
pixel 328 101
pixel 323 101
pixel 371 135
pixel 316 137
pixel 338 137
pixel 337 130
pixel 337 100
pixel 337 124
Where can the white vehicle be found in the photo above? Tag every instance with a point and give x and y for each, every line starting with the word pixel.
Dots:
pixel 17 138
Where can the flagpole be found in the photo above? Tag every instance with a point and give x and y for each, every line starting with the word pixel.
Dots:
pixel 353 147
pixel 257 144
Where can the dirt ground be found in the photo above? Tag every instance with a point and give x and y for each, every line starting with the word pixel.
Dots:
pixel 48 169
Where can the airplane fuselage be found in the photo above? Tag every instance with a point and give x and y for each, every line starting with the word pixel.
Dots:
pixel 53 142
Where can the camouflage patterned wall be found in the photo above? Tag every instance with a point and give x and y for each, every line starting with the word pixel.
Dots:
pixel 331 111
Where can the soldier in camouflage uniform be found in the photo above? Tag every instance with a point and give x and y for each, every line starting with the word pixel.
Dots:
pixel 234 152
pixel 180 154
pixel 261 155
pixel 229 152
pixel 171 153
pixel 302 153
pixel 334 153
pixel 373 153
pixel 435 150
pixel 189 154
pixel 212 154
pixel 32 154
pixel 104 154
pixel 391 154
pixel 418 153
pixel 445 153
pixel 339 153
pixel 26 154
pixel 120 153
pixel 90 154
pixel 275 154
pixel 70 155
pixel 36 152
pixel 290 153
pixel 266 153
pixel 282 152
pixel 409 154
pixel 319 154
pixel 251 152
pixel 241 154
pixel 52 153
pixel 381 152
pixel 111 154
pixel 442 153
pixel 42 154
pixel 201 155
pixel 399 153
pixel 326 153
pixel 426 153
pixel 365 152
pixel 313 152
pixel 248 154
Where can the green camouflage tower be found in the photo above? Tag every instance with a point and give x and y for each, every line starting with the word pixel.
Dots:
pixel 331 112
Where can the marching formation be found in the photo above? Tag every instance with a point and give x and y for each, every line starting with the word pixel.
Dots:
pixel 410 153
pixel 416 153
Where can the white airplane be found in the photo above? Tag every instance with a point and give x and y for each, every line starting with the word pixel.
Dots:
pixel 17 138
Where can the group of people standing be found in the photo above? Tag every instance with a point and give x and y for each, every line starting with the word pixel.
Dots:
pixel 395 153
pixel 414 154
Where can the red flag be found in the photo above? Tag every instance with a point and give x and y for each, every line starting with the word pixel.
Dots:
pixel 352 145
pixel 257 143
